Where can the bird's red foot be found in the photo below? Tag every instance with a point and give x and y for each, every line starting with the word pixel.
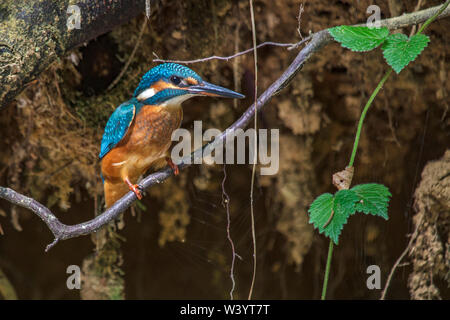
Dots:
pixel 134 188
pixel 174 167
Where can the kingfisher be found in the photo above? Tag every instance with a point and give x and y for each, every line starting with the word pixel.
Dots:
pixel 137 136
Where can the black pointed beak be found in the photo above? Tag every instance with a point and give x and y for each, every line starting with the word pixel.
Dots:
pixel 209 89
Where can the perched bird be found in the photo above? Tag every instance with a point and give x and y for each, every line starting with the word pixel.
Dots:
pixel 137 136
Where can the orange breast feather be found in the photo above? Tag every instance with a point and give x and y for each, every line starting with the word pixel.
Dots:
pixel 147 142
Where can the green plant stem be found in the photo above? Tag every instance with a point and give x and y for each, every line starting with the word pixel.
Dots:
pixel 444 6
pixel 363 114
pixel 327 270
pixel 352 159
pixel 380 85
pixel 358 134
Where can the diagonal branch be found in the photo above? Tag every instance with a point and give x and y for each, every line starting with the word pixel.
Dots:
pixel 318 40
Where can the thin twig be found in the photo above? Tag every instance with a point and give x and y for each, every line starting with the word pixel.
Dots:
pixel 299 19
pixel 268 43
pixel 255 156
pixel 318 40
pixel 298 44
pixel 236 79
pixel 397 263
pixel 226 203
pixel 413 29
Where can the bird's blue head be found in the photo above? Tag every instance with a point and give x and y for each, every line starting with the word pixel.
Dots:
pixel 171 83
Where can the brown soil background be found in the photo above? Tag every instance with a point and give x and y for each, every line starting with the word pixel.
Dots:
pixel 177 247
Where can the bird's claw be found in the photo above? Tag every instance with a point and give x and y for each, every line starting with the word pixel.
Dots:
pixel 137 189
pixel 173 166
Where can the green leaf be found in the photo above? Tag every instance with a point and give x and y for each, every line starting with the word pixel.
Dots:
pixel 320 210
pixel 344 201
pixel 359 38
pixel 373 199
pixel 341 205
pixel 399 51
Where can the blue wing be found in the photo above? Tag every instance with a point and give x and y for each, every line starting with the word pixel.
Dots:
pixel 117 126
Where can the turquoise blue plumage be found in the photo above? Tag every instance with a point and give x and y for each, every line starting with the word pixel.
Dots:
pixel 164 72
pixel 121 119
pixel 147 121
pixel 118 124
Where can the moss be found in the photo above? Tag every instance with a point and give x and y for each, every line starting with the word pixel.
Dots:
pixel 50 141
pixel 102 273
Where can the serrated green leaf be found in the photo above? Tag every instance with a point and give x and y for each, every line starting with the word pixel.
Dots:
pixel 320 209
pixel 341 205
pixel 399 51
pixel 344 200
pixel 359 38
pixel 373 199
pixel 344 206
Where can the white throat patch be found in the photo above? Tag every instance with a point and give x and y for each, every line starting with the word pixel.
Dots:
pixel 147 93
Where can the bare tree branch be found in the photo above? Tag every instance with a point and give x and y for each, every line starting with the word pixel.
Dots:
pixel 318 40
pixel 393 23
pixel 268 43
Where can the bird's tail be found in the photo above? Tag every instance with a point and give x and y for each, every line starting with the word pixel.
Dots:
pixel 114 191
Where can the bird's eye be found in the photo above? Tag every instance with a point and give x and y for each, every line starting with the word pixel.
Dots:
pixel 175 80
